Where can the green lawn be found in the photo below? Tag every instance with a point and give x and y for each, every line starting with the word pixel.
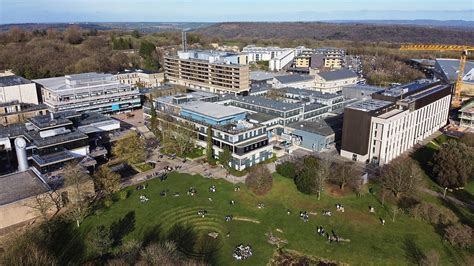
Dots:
pixel 143 167
pixel 395 243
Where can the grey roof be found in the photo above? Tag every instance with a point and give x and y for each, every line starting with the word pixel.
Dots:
pixel 13 81
pixel 264 102
pixel 338 74
pixel 408 88
pixel 261 75
pixel 369 105
pixel 313 106
pixel 19 186
pixel 89 75
pixel 261 117
pixel 12 131
pixel 45 121
pixel 213 110
pixel 450 67
pixel 363 88
pixel 317 127
pixel 294 78
pixel 310 93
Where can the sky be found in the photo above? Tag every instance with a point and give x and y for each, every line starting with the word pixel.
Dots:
pixel 44 11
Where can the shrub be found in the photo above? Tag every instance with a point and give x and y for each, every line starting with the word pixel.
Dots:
pixel 108 203
pixel 287 169
pixel 259 180
pixel 123 194
pixel 433 214
pixel 459 235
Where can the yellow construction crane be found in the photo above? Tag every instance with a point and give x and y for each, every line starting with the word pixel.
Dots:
pixel 465 50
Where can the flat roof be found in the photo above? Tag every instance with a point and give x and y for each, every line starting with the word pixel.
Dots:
pixel 407 88
pixel 361 87
pixel 369 105
pixel 265 102
pixel 7 81
pixel 338 74
pixel 294 78
pixel 209 109
pixel 316 127
pixel 261 75
pixel 311 93
pixel 19 186
pixel 261 117
pixel 450 67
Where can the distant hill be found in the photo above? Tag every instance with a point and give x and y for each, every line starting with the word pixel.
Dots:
pixel 126 26
pixel 456 24
pixel 340 31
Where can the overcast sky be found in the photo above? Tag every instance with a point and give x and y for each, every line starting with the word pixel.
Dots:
pixel 23 11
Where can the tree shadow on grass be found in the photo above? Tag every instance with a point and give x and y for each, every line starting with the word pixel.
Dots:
pixel 184 236
pixel 412 251
pixel 119 229
pixel 66 242
pixel 153 234
pixel 456 209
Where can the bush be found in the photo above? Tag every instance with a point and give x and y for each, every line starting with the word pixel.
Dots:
pixel 259 180
pixel 433 214
pixel 459 235
pixel 287 169
pixel 123 194
pixel 108 203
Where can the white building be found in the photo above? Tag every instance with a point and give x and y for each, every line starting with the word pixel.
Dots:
pixel 281 61
pixel 293 81
pixel 380 129
pixel 141 78
pixel 334 81
pixel 15 88
pixel 88 92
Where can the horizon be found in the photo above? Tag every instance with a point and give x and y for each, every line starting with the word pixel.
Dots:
pixel 215 11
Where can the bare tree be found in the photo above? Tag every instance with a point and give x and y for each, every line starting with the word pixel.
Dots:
pixel 259 180
pixel 106 182
pixel 78 191
pixel 130 148
pixel 344 173
pixel 401 176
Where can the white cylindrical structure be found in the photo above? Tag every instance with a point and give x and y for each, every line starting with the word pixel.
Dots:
pixel 20 148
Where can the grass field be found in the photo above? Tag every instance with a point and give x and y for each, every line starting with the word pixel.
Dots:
pixel 396 243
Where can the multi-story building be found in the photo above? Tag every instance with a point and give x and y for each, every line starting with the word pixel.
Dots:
pixel 333 57
pixel 248 142
pixel 467 115
pixel 16 112
pixel 334 81
pixel 256 53
pixel 380 129
pixel 283 60
pixel 294 81
pixel 88 92
pixel 334 101
pixel 141 78
pixel 45 143
pixel 215 72
pixel 15 88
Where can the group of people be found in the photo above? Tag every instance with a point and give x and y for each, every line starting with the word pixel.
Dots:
pixel 163 193
pixel 229 218
pixel 242 252
pixel 327 213
pixel 143 198
pixel 141 187
pixel 202 213
pixel 212 189
pixel 260 205
pixel 304 216
pixel 192 191
pixel 237 188
pixel 339 207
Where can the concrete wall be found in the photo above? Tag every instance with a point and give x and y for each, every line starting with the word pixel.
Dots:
pixel 25 93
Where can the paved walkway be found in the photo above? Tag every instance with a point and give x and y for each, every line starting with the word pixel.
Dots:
pixel 450 198
pixel 189 167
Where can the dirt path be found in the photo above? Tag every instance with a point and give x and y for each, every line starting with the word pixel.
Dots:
pixel 450 198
